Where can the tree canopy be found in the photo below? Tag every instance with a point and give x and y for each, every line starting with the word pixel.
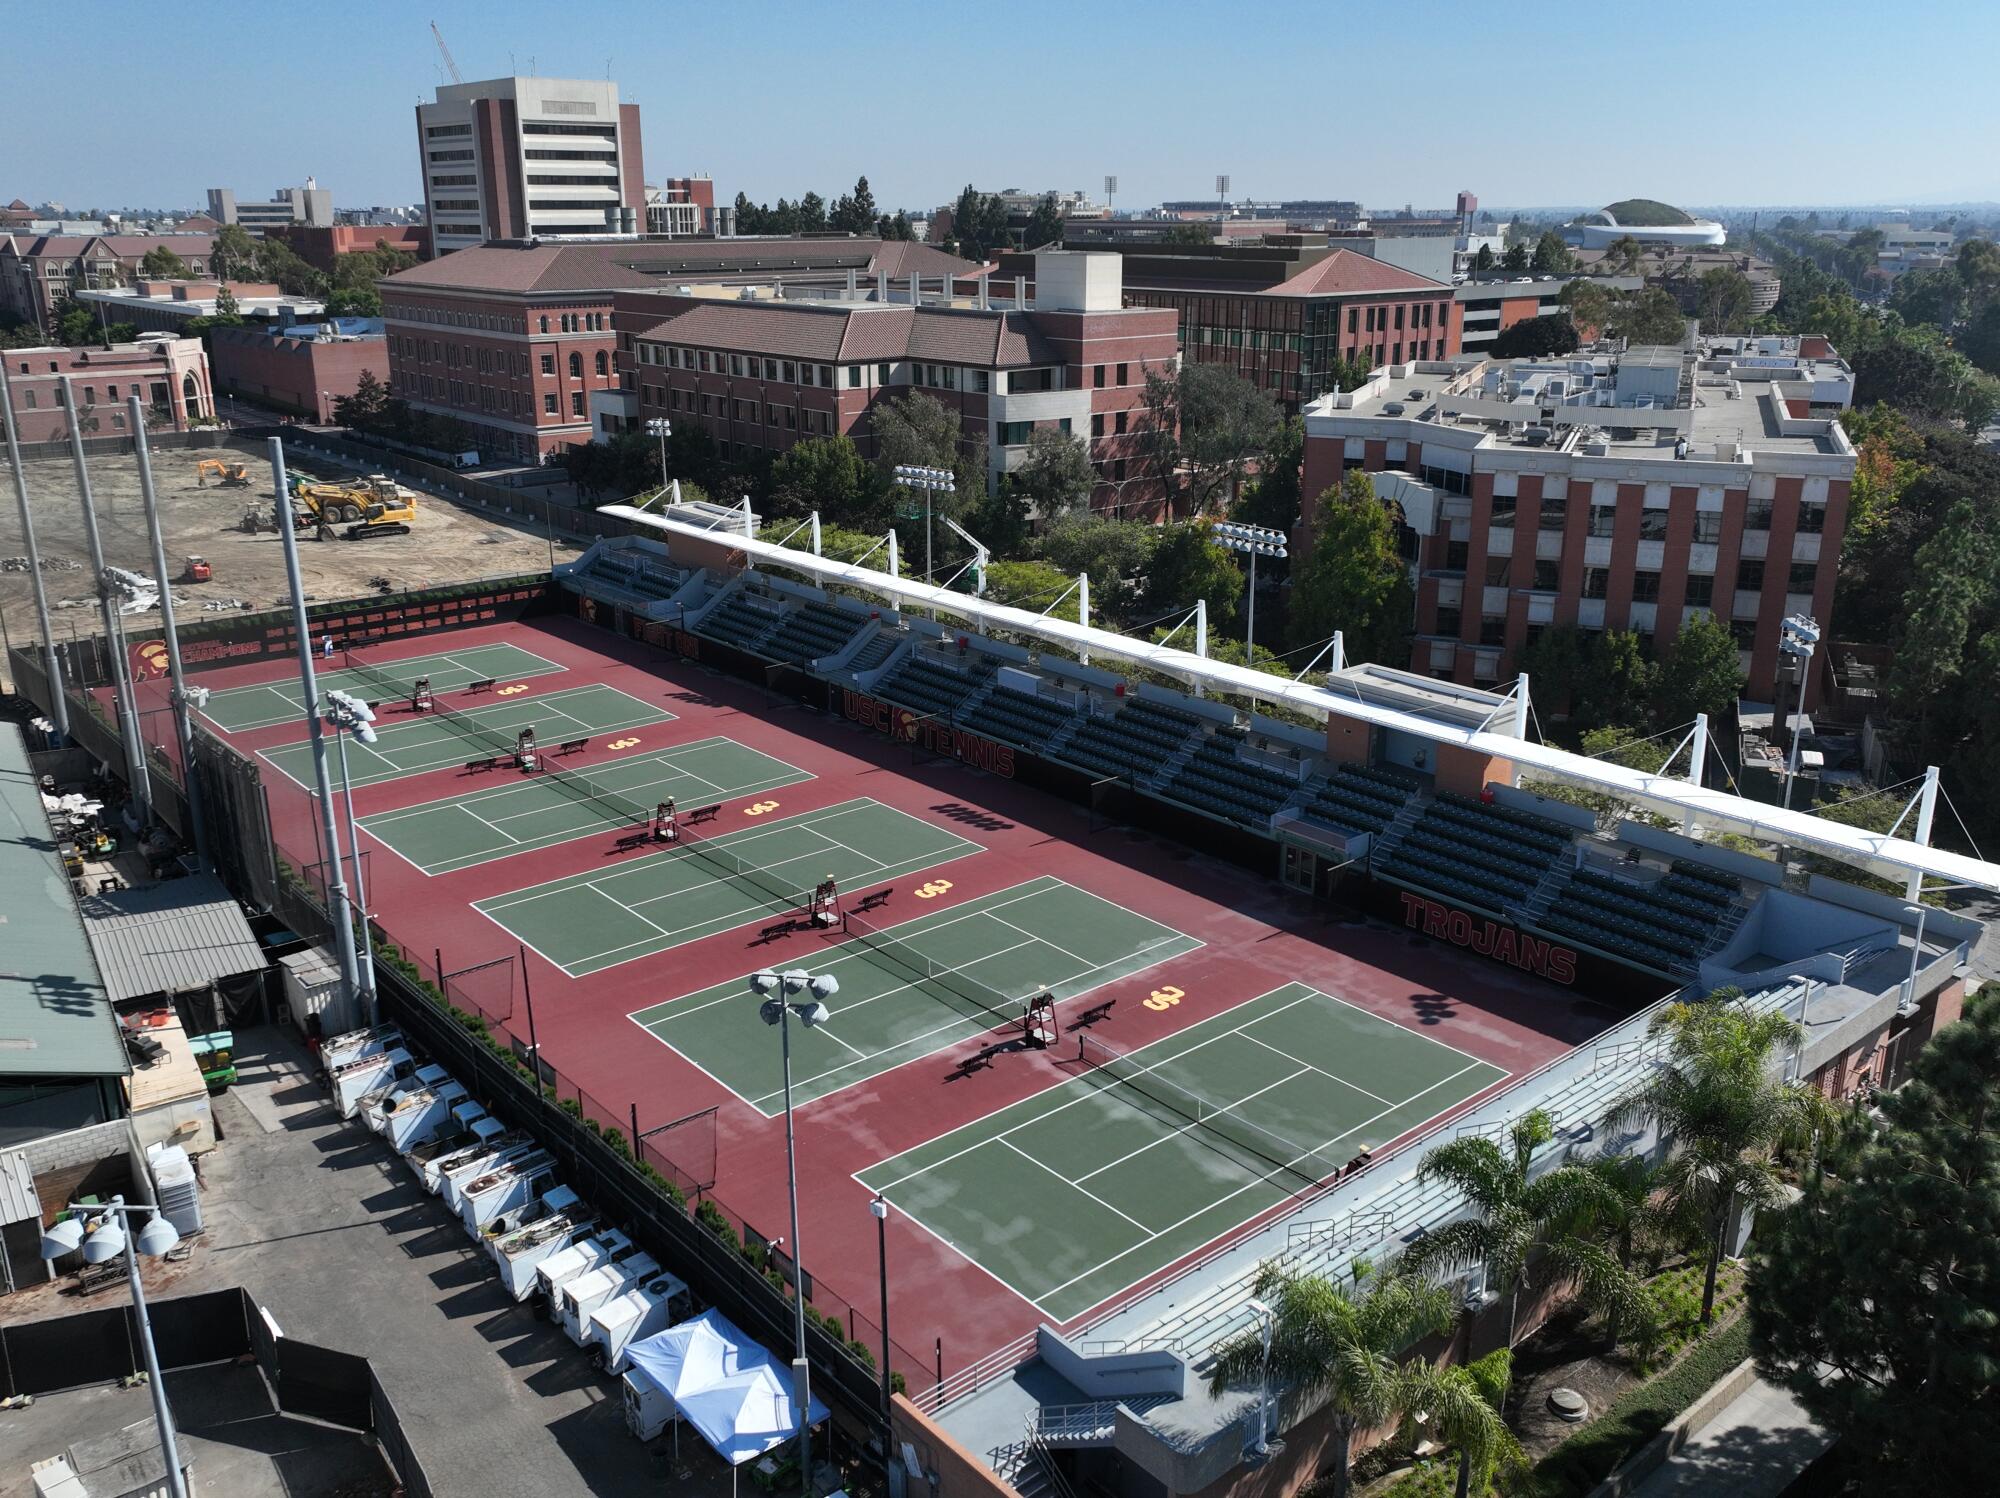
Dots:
pixel 1876 1297
pixel 1353 578
pixel 1055 477
pixel 1205 425
pixel 1536 337
pixel 1701 673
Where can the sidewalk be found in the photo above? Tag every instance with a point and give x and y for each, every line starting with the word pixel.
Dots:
pixel 1753 1448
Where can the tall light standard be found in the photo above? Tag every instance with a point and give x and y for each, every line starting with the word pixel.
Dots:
pixel 779 1008
pixel 660 427
pixel 110 1239
pixel 879 1210
pixel 341 711
pixel 1266 1446
pixel 931 481
pixel 1797 637
pixel 1253 541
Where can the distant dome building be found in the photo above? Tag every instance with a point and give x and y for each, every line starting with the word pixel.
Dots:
pixel 1648 221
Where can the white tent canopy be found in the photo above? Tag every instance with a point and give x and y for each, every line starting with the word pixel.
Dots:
pixel 723 1384
pixel 1891 857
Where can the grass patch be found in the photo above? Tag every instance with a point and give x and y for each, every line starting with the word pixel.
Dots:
pixel 1589 1456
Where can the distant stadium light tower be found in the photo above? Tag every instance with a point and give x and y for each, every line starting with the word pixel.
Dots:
pixel 1253 541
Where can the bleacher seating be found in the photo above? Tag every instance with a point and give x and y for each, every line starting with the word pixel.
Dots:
pixel 1490 854
pixel 925 683
pixel 879 648
pixel 1668 924
pixel 633 573
pixel 1217 779
pixel 1014 717
pixel 1136 741
pixel 1359 798
pixel 811 631
pixel 742 619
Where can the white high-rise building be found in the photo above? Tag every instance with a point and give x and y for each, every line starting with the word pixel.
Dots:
pixel 519 158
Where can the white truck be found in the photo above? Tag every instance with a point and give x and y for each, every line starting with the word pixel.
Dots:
pixel 422 1115
pixel 634 1313
pixel 520 1253
pixel 493 1203
pixel 582 1255
pixel 591 1289
pixel 354 1080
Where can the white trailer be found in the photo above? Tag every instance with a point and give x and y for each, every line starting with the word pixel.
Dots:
pixel 453 1181
pixel 422 1115
pixel 591 1289
pixel 494 1203
pixel 377 1106
pixel 634 1313
pixel 520 1253
pixel 558 1269
pixel 354 1080
pixel 489 1137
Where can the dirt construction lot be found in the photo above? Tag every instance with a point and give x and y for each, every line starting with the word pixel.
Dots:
pixel 447 544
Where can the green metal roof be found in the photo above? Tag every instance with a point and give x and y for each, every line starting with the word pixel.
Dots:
pixel 55 1017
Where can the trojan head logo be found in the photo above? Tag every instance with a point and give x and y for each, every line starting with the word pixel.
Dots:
pixel 149 660
pixel 903 725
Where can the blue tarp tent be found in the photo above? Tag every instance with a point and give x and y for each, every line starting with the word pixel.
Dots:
pixel 725 1385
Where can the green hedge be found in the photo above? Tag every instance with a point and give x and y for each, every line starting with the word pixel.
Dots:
pixel 1591 1455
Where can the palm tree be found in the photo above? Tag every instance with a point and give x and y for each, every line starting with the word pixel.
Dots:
pixel 1629 1179
pixel 1726 1116
pixel 1519 1222
pixel 1338 1347
pixel 1460 1407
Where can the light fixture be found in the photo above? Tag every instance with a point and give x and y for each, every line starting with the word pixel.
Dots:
pixel 106 1244
pixel 63 1238
pixel 157 1237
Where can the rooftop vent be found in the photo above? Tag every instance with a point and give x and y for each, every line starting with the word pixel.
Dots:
pixel 1393 408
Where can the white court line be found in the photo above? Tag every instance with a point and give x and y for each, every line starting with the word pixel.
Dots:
pixel 1303 1071
pixel 1039 1165
pixel 484 823
pixel 1047 943
pixel 1330 1076
pixel 1258 1181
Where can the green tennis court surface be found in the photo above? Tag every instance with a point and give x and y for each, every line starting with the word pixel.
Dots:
pixel 235 709
pixel 1073 1194
pixel 589 922
pixel 421 742
pixel 526 812
pixel 912 989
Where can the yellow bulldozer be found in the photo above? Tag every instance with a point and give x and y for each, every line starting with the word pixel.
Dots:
pixel 373 506
pixel 229 475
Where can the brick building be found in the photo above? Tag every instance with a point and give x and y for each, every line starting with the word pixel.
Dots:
pixel 37 271
pixel 762 375
pixel 681 207
pixel 516 339
pixel 320 246
pixel 301 375
pixel 1606 492
pixel 170 374
pixel 1285 312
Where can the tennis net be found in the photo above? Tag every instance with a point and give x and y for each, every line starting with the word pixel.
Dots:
pixel 1298 1158
pixel 997 1007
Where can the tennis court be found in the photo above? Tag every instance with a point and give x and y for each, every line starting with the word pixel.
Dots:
pixel 420 742
pixel 588 922
pixel 525 812
pixel 1137 1160
pixel 914 988
pixel 238 709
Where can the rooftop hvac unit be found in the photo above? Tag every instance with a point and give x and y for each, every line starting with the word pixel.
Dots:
pixel 1393 408
pixel 174 1183
pixel 1597 449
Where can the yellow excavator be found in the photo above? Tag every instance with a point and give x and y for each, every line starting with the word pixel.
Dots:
pixel 373 506
pixel 230 475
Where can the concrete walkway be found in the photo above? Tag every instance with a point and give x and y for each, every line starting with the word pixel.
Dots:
pixel 1753 1448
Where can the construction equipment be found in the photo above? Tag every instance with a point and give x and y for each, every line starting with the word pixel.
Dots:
pixel 196 570
pixel 377 499
pixel 231 475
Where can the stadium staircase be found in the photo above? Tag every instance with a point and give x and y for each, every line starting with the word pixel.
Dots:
pixel 875 650
pixel 1134 742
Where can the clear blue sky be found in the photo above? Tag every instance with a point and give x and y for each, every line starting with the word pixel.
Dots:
pixel 1551 103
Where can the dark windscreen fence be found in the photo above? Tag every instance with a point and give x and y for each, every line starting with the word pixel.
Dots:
pixel 395 1444
pixel 336 1387
pixel 194 1329
pixel 1147 1090
pixel 90 1347
pixel 683 1151
pixel 954 986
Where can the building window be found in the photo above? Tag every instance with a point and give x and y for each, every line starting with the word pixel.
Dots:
pixel 1708 526
pixel 882 372
pixel 1097 425
pixel 1603 519
pixel 548 405
pixel 1548 576
pixel 1645 587
pixel 982 381
pixel 1652 525
pixel 1499 571
pixel 576 366
pixel 1015 433
pixel 1750 577
pixel 1448 622
pixel 1555 514
pixel 1801 576
pixel 1353 320
pixel 1121 375
pixel 1503 511
pixel 1456 554
pixel 1757 514
pixel 1812 519
pixel 1700 591
pixel 1097 377
pixel 854 377
pixel 1744 632
pixel 1118 422
pixel 603 364
pixel 1596 582
pixel 1492 629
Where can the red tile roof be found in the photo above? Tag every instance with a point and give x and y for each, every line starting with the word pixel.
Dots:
pixel 615 265
pixel 1347 273
pixel 860 334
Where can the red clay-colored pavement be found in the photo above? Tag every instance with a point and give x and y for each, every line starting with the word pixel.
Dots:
pixel 1257 937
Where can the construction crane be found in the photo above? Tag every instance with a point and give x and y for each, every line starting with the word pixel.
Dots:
pixel 445 52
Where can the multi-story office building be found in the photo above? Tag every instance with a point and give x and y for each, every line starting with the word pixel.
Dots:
pixel 681 208
pixel 1286 312
pixel 517 339
pixel 1605 492
pixel 311 204
pixel 1486 307
pixel 321 248
pixel 169 374
pixel 519 158
pixel 762 375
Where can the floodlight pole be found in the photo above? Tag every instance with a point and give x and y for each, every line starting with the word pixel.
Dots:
pixel 344 723
pixel 801 1367
pixel 336 881
pixel 51 661
pixel 183 723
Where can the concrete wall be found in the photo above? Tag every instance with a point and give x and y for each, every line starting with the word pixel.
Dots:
pixel 949 1470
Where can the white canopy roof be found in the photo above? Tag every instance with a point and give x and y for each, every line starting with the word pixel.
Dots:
pixel 1888 857
pixel 728 1387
